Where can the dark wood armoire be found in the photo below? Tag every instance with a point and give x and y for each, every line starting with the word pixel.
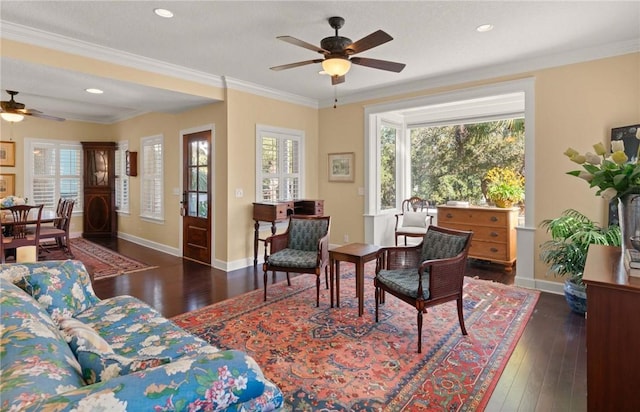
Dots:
pixel 99 211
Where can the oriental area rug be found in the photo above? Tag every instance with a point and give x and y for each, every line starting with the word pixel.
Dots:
pixel 99 260
pixel 330 359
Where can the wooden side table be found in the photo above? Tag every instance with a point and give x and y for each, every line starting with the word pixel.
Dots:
pixel 357 253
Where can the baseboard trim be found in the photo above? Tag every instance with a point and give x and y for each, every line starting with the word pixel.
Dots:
pixel 151 245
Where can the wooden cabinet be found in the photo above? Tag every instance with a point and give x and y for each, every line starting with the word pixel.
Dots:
pixel 494 230
pixel 613 332
pixel 99 207
pixel 278 211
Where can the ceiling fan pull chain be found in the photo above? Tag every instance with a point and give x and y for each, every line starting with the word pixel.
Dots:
pixel 335 96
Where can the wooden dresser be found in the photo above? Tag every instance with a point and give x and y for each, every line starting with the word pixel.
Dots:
pixel 494 231
pixel 277 212
pixel 613 332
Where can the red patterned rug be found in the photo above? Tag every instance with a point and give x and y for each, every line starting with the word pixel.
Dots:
pixel 99 260
pixel 330 359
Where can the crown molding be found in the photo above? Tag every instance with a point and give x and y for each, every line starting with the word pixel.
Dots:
pixel 65 44
pixel 490 72
pixel 259 90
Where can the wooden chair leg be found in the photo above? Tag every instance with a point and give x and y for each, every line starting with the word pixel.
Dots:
pixel 288 279
pixel 461 316
pixel 326 276
pixel 317 291
pixel 377 302
pixel 419 331
pixel 265 285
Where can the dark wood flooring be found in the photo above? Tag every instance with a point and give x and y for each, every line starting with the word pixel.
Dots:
pixel 546 372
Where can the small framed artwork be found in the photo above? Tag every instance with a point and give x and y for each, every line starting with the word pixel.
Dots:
pixel 7 184
pixel 341 167
pixel 8 154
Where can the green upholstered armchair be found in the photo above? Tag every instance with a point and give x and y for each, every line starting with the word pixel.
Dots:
pixel 303 248
pixel 425 275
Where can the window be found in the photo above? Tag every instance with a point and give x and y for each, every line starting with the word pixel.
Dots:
pixel 388 166
pixel 279 164
pixel 122 180
pixel 152 181
pixel 53 170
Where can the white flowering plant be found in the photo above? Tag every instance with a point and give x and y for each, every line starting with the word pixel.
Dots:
pixel 611 172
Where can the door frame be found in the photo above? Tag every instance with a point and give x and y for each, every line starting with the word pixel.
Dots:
pixel 212 179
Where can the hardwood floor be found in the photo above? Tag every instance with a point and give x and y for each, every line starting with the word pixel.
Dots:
pixel 546 372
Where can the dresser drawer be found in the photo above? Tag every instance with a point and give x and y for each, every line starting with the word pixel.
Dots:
pixel 490 233
pixel 488 250
pixel 487 217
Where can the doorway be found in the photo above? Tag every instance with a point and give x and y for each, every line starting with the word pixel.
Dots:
pixel 197 229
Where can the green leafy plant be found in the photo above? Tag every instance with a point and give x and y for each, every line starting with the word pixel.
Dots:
pixel 504 186
pixel 571 235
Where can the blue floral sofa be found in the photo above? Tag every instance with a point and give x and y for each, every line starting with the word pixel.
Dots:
pixel 62 348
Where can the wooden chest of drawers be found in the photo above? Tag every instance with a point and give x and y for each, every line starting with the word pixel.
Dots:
pixel 494 231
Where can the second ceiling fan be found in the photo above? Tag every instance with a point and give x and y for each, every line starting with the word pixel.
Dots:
pixel 337 51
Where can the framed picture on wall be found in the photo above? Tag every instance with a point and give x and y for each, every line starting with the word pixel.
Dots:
pixel 7 184
pixel 628 135
pixel 8 154
pixel 341 167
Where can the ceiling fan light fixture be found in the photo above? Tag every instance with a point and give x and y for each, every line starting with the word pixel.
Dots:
pixel 12 117
pixel 336 66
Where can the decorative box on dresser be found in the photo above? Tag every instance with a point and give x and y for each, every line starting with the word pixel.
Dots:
pixel 613 332
pixel 99 202
pixel 494 230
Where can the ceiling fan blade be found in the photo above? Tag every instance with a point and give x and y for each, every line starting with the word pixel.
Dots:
pixel 368 42
pixel 378 64
pixel 298 64
pixel 301 43
pixel 337 80
pixel 36 113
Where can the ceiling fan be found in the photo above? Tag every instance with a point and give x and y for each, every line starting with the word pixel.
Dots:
pixel 13 111
pixel 337 51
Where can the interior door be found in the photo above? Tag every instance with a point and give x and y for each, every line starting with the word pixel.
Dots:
pixel 196 197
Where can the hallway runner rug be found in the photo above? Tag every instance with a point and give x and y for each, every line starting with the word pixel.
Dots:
pixel 99 260
pixel 330 359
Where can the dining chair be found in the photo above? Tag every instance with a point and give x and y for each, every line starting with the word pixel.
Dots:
pixel 413 219
pixel 22 229
pixel 425 275
pixel 303 248
pixel 59 230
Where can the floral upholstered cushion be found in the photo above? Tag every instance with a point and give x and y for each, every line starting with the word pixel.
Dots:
pixel 135 329
pixel 304 234
pixel 438 245
pixel 405 281
pixel 36 361
pixel 63 288
pixel 293 258
pixel 102 366
pixel 79 334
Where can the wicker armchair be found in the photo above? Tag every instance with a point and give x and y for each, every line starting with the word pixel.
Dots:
pixel 425 275
pixel 303 248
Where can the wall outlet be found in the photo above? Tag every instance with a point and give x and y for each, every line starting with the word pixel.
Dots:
pixel 346 238
pixel 239 193
pixel 361 191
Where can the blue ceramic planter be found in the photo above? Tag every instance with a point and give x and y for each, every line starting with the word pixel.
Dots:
pixel 576 297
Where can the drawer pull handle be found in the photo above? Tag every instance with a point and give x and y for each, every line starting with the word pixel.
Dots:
pixel 449 215
pixel 494 219
pixel 494 250
pixel 493 234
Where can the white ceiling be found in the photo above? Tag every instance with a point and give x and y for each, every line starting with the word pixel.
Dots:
pixel 234 42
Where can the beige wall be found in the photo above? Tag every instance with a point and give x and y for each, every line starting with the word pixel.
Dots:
pixel 576 105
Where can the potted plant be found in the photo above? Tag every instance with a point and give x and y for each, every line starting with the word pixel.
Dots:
pixel 566 252
pixel 505 187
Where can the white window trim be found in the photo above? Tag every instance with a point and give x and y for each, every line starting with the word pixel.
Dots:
pixel 280 133
pixel 151 140
pixel 28 168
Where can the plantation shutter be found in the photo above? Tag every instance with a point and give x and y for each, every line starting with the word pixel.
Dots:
pixel 152 178
pixel 279 165
pixel 122 180
pixel 56 171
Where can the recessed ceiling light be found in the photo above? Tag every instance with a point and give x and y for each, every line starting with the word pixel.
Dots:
pixel 93 91
pixel 484 28
pixel 167 14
